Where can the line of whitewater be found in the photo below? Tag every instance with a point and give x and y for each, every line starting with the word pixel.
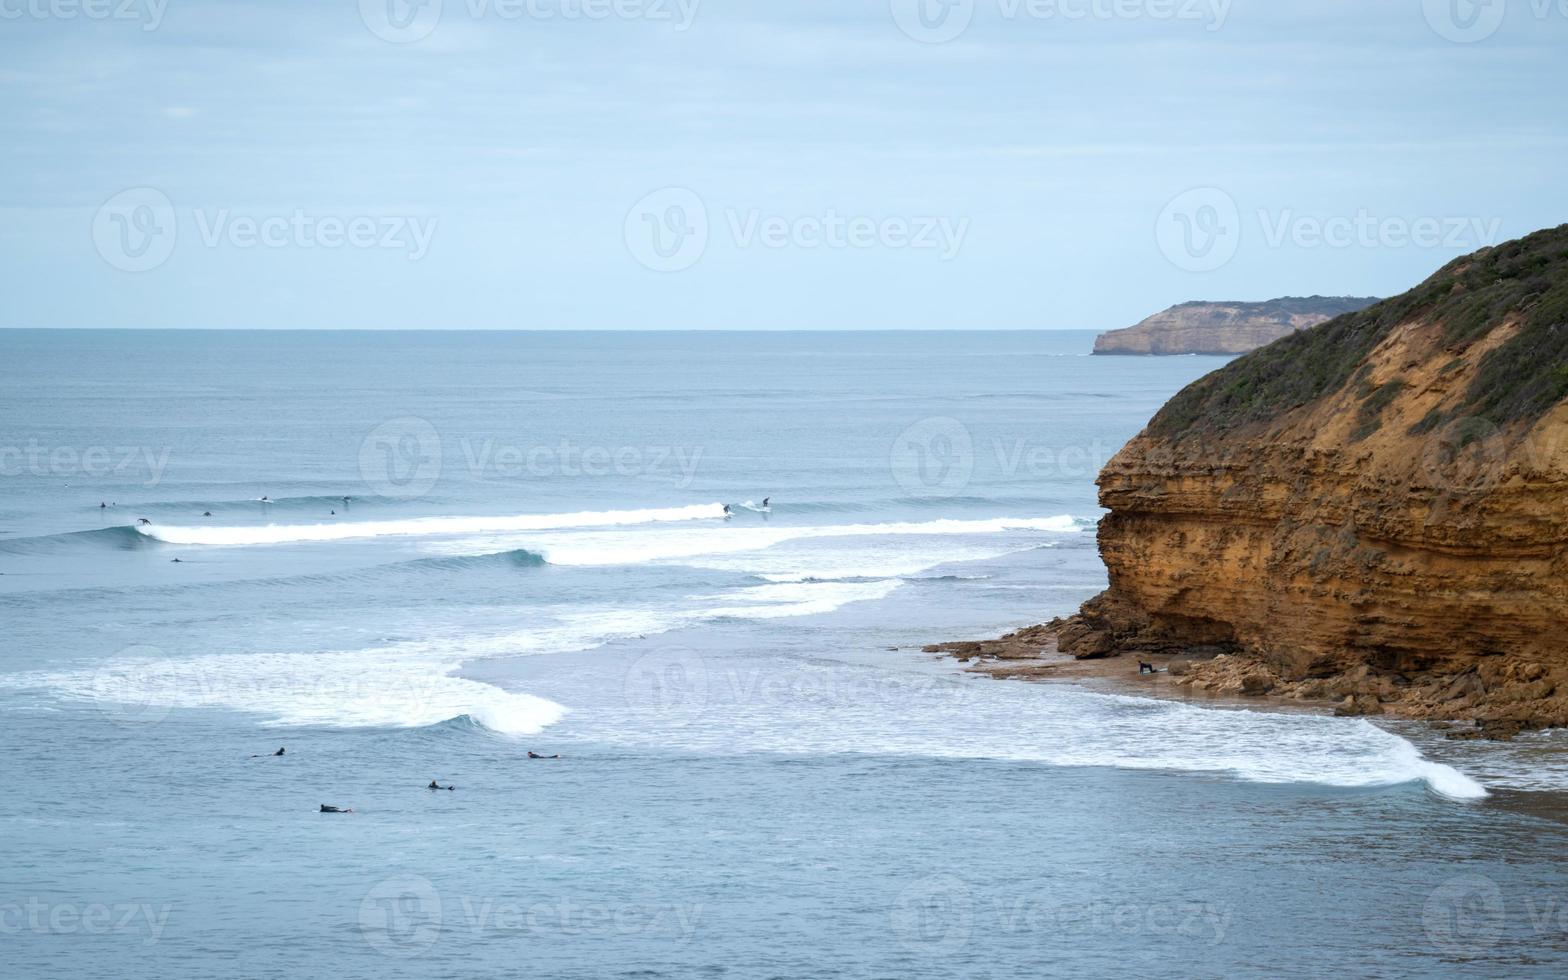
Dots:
pixel 243 535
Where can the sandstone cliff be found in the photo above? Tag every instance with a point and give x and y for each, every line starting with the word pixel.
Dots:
pixel 1373 510
pixel 1225 328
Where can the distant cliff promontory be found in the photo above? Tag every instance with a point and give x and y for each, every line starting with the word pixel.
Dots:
pixel 1226 328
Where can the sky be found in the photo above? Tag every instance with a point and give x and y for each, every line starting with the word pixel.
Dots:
pixel 739 164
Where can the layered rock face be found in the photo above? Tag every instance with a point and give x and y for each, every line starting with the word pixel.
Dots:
pixel 1375 509
pixel 1225 328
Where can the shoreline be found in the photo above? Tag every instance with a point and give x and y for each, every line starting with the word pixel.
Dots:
pixel 1031 654
pixel 1458 704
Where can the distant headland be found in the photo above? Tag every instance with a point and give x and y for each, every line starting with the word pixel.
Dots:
pixel 1226 327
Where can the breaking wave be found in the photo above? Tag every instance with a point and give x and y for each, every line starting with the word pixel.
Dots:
pixel 246 535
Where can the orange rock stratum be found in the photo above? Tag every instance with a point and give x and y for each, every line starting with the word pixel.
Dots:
pixel 1374 510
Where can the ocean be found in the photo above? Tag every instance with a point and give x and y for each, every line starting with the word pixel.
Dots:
pixel 700 568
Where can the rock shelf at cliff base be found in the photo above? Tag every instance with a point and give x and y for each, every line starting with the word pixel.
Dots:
pixel 1371 513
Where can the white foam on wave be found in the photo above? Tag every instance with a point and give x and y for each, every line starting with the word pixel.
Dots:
pixel 243 535
pixel 782 600
pixel 737 703
pixel 410 684
pixel 803 561
pixel 601 548
pixel 344 689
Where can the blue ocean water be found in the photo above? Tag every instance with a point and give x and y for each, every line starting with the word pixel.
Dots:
pixel 408 557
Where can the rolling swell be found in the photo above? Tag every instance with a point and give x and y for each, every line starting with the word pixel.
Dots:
pixel 516 558
pixel 123 538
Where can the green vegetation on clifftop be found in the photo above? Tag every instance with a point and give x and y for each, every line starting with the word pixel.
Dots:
pixel 1525 280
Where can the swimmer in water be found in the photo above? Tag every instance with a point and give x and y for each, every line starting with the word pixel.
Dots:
pixel 436 785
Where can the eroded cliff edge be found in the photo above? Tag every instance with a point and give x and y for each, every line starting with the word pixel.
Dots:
pixel 1225 328
pixel 1373 510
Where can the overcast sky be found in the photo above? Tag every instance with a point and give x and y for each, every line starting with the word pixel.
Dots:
pixel 745 164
